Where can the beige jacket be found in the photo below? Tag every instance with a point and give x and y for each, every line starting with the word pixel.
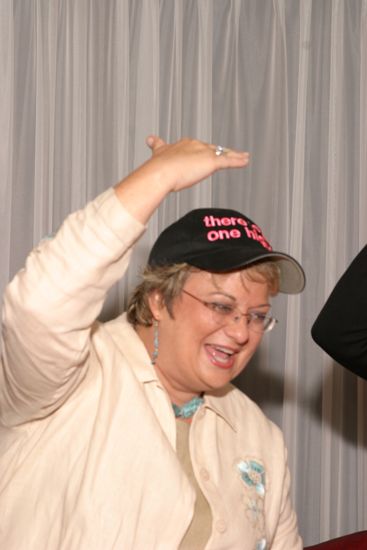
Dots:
pixel 87 443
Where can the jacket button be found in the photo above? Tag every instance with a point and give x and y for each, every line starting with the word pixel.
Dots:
pixel 221 526
pixel 204 474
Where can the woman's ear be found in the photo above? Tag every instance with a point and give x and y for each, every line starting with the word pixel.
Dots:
pixel 156 304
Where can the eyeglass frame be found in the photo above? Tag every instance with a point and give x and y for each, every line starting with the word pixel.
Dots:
pixel 236 314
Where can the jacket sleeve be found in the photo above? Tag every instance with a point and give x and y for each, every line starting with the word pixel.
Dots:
pixel 341 327
pixel 51 304
pixel 286 535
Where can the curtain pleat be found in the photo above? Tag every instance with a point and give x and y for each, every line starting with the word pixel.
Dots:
pixel 6 127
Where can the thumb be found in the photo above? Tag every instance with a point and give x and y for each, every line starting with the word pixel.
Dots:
pixel 154 142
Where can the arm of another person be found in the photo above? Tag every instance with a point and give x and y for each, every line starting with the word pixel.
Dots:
pixel 51 304
pixel 341 327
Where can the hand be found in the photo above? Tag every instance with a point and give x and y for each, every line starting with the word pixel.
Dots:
pixel 172 167
pixel 188 161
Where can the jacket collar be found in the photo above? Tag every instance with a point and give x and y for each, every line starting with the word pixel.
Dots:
pixel 215 402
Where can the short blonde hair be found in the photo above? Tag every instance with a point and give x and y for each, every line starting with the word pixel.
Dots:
pixel 268 272
pixel 167 280
pixel 170 280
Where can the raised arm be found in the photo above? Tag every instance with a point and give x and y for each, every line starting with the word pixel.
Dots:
pixel 51 304
pixel 341 326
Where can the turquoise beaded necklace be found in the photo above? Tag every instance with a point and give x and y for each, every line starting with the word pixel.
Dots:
pixel 187 410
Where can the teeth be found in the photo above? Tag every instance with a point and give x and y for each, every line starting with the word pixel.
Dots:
pixel 221 355
pixel 219 359
pixel 223 350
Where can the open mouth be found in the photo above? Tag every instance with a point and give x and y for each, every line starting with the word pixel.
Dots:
pixel 220 356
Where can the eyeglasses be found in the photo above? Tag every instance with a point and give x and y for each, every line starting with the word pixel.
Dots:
pixel 224 314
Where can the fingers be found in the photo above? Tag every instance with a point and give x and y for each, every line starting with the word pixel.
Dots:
pixel 220 150
pixel 154 142
pixel 240 155
pixel 220 157
pixel 230 157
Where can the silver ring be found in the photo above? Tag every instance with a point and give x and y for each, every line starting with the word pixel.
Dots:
pixel 219 150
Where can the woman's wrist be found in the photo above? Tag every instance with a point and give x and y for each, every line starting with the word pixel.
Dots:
pixel 142 191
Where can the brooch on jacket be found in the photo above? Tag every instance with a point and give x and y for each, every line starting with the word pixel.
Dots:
pixel 252 474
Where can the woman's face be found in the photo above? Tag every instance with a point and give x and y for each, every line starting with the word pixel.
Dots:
pixel 196 353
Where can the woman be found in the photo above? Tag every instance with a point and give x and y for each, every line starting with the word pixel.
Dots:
pixel 128 434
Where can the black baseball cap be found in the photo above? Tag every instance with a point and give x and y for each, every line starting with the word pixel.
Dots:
pixel 219 240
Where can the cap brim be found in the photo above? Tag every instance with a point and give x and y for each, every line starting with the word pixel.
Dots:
pixel 292 276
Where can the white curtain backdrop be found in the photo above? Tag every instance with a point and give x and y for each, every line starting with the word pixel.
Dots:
pixel 83 82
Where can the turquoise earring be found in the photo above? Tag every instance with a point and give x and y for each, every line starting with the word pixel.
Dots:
pixel 155 342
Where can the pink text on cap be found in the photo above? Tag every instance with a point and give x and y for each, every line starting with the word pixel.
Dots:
pixel 252 231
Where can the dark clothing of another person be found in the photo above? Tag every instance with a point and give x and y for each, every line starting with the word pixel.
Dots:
pixel 341 327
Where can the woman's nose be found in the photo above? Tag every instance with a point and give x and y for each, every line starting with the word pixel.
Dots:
pixel 238 329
